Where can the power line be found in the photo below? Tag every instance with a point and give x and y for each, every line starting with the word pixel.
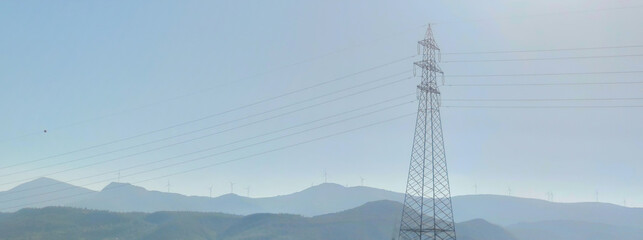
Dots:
pixel 210 148
pixel 215 114
pixel 246 146
pixel 227 122
pixel 275 69
pixel 317 57
pixel 537 15
pixel 189 140
pixel 532 99
pixel 539 99
pixel 249 116
pixel 538 84
pixel 542 59
pixel 273 139
pixel 262 120
pixel 543 50
pixel 309 60
pixel 528 107
pixel 208 156
pixel 229 161
pixel 296 111
pixel 223 145
pixel 541 74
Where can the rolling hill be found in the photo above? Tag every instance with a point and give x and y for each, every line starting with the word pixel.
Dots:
pixel 319 200
pixel 376 220
pixel 573 230
pixel 40 193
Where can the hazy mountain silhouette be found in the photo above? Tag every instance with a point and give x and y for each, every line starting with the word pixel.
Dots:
pixel 384 216
pixel 505 210
pixel 376 221
pixel 325 198
pixel 573 230
pixel 483 230
pixel 42 192
pixel 322 199
pixel 124 197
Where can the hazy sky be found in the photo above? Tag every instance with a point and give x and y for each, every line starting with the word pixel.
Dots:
pixel 98 71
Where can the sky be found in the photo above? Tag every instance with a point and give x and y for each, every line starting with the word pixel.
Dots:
pixel 133 87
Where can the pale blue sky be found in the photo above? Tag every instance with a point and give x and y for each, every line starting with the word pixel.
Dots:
pixel 65 62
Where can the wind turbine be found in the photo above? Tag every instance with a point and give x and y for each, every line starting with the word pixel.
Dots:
pixel 325 176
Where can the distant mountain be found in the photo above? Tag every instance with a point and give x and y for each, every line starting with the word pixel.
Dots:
pixel 325 198
pixel 373 221
pixel 505 210
pixel 573 230
pixel 124 197
pixel 383 219
pixel 58 223
pixel 318 200
pixel 483 230
pixel 40 193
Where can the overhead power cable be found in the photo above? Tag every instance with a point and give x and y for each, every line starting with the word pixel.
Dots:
pixel 300 109
pixel 544 107
pixel 540 74
pixel 633 7
pixel 215 147
pixel 389 100
pixel 272 70
pixel 214 114
pixel 194 169
pixel 543 59
pixel 265 119
pixel 231 150
pixel 321 56
pixel 544 50
pixel 220 124
pixel 537 84
pixel 207 149
pixel 228 161
pixel 278 149
pixel 305 61
pixel 538 99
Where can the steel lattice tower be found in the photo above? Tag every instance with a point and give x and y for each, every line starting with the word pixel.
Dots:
pixel 427 212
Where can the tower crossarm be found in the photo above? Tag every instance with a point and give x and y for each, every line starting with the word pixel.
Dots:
pixel 430 65
pixel 429 43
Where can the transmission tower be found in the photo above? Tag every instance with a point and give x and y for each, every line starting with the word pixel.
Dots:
pixel 427 212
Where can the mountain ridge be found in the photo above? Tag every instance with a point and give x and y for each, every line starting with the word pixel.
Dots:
pixel 331 198
pixel 74 223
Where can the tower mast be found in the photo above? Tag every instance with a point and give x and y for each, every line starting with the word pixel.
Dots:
pixel 427 212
